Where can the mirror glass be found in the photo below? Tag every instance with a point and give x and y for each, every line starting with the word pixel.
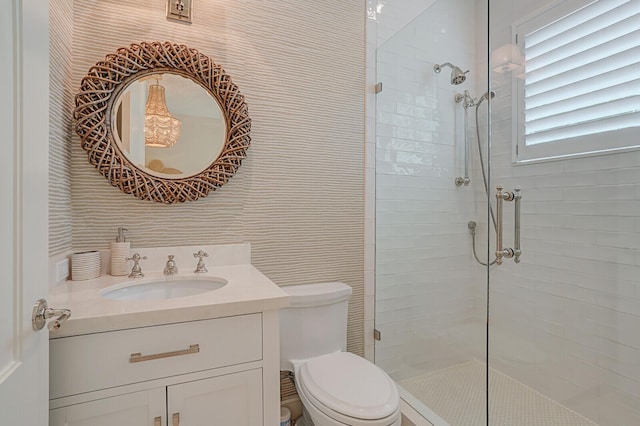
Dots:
pixel 168 125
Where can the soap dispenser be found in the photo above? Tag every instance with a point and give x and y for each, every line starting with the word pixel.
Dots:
pixel 119 254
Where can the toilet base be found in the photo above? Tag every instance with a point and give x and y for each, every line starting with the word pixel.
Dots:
pixel 304 419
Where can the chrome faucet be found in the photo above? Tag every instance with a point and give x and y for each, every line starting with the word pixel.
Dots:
pixel 200 267
pixel 136 271
pixel 170 268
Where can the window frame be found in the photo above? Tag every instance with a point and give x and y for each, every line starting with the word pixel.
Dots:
pixel 609 142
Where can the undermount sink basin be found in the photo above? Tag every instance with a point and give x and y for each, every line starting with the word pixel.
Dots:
pixel 162 288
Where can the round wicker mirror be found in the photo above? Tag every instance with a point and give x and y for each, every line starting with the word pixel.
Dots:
pixel 97 115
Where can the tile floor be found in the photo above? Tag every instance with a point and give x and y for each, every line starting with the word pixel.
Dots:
pixel 457 394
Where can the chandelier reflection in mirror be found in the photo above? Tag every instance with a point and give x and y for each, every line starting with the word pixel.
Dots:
pixel 161 129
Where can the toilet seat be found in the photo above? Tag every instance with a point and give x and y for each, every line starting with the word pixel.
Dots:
pixel 349 389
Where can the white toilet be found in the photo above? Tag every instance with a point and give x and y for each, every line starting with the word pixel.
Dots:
pixel 336 387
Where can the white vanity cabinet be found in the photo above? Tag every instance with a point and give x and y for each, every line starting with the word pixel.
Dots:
pixel 233 399
pixel 221 371
pixel 133 409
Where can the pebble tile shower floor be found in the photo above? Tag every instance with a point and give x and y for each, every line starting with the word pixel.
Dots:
pixel 457 394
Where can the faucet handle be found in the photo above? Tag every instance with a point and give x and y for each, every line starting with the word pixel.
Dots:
pixel 200 267
pixel 136 271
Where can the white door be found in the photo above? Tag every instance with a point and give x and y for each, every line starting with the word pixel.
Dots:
pixel 24 133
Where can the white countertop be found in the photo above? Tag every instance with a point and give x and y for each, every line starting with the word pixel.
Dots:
pixel 247 291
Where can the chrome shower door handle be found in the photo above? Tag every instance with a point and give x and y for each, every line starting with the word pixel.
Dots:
pixel 500 252
pixel 499 223
pixel 517 197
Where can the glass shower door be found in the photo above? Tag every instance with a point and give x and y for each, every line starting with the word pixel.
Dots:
pixel 564 345
pixel 430 291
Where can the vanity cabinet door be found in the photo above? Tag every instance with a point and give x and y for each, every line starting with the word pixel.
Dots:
pixel 233 399
pixel 146 408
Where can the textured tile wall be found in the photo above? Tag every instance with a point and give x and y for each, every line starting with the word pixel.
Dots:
pixel 60 123
pixel 299 196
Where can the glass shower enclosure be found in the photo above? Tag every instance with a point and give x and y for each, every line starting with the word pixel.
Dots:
pixel 508 210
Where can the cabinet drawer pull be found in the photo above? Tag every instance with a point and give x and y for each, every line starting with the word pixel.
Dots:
pixel 176 419
pixel 137 357
pixel 157 421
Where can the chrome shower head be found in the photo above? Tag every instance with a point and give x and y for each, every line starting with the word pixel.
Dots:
pixel 486 96
pixel 457 75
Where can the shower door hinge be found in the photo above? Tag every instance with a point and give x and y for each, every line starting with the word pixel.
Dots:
pixel 378 88
pixel 376 334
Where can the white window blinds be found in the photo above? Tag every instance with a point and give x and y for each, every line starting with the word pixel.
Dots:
pixel 582 75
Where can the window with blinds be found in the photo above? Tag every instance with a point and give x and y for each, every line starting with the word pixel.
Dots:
pixel 580 91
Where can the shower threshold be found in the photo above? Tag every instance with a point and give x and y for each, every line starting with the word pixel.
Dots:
pixel 457 396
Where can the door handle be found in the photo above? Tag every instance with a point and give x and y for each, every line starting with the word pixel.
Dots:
pixel 516 251
pixel 42 312
pixel 517 197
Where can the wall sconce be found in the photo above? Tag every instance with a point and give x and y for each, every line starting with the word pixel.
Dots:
pixel 179 10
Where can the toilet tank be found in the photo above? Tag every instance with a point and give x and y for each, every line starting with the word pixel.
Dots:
pixel 315 323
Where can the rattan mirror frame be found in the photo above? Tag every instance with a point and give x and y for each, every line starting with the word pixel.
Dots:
pixel 106 79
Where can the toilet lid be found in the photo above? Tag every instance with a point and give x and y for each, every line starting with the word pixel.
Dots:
pixel 350 385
